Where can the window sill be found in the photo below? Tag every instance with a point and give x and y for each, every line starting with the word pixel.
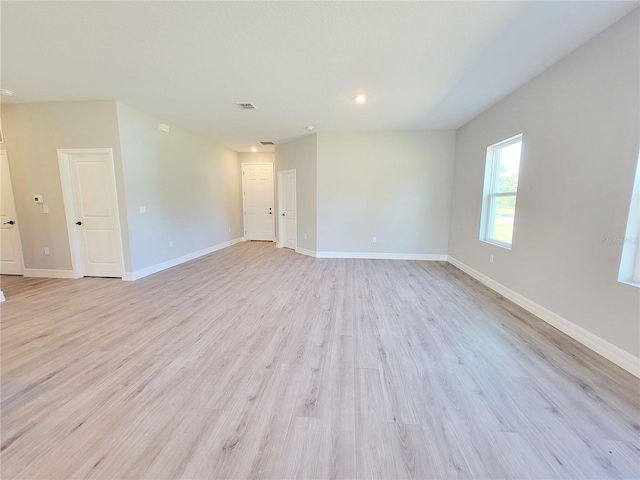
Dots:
pixel 495 243
pixel 631 283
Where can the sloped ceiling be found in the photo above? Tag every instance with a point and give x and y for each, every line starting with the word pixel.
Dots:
pixel 422 64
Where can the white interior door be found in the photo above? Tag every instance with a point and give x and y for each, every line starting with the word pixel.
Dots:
pixel 257 186
pixel 92 211
pixel 288 218
pixel 11 262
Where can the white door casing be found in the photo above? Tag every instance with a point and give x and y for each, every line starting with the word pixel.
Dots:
pixel 91 206
pixel 11 261
pixel 288 228
pixel 257 200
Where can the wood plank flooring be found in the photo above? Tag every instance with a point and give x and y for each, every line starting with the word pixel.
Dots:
pixel 255 362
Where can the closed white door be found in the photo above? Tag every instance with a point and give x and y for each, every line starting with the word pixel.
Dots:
pixel 94 212
pixel 257 186
pixel 10 246
pixel 287 199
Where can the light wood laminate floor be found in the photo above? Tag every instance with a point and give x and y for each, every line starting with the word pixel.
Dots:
pixel 255 362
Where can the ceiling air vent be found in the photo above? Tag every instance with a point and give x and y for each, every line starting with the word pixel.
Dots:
pixel 267 143
pixel 246 106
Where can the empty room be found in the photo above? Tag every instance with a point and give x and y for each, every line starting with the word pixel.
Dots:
pixel 317 239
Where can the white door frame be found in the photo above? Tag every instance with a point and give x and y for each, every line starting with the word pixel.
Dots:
pixel 20 256
pixel 280 242
pixel 70 209
pixel 244 209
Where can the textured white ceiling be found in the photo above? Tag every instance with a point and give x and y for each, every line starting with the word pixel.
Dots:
pixel 422 64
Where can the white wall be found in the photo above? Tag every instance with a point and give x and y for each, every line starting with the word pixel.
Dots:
pixel 580 148
pixel 302 155
pixel 191 189
pixel 256 157
pixel 395 186
pixel 33 132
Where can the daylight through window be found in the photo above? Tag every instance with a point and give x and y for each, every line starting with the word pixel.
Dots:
pixel 500 192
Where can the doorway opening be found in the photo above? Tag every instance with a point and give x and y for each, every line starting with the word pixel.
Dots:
pixel 11 261
pixel 91 206
pixel 287 215
pixel 258 201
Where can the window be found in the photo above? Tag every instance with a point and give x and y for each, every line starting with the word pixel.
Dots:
pixel 630 262
pixel 500 191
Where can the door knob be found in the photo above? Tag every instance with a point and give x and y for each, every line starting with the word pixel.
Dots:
pixel 10 222
pixel 283 214
pixel 78 223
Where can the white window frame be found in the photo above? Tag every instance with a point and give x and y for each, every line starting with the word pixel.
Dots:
pixel 636 269
pixel 490 195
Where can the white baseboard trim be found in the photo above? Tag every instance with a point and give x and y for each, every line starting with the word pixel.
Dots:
pixel 304 251
pixel 608 350
pixel 384 256
pixel 47 273
pixel 2 299
pixel 131 276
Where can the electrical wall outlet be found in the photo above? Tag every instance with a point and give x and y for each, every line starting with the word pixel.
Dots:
pixel 375 239
pixel 305 236
pixel 229 229
pixel 45 208
pixel 491 258
pixel 46 250
pixel 171 243
pixel 143 209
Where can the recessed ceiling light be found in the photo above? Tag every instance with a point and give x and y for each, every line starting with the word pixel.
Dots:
pixel 360 98
pixel 254 149
pixel 6 93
